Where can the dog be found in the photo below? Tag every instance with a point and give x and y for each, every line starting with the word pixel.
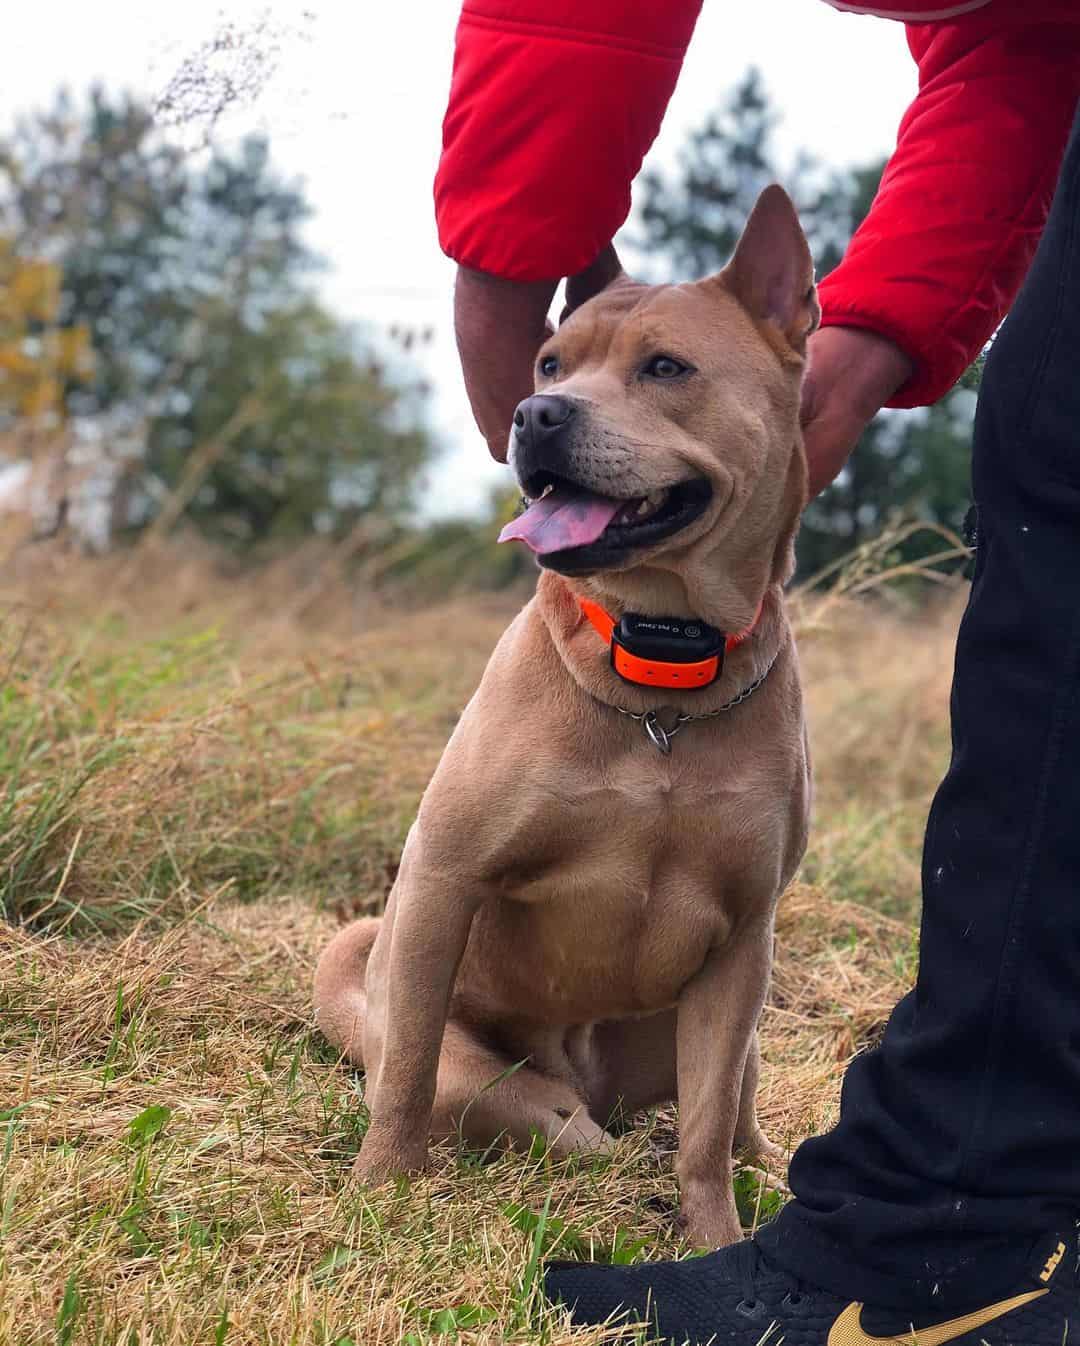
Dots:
pixel 582 923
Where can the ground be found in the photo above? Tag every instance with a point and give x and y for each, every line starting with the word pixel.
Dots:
pixel 199 777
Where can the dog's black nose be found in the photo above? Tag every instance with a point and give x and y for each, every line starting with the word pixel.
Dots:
pixel 540 417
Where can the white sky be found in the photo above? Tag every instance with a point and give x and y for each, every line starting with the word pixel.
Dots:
pixel 355 106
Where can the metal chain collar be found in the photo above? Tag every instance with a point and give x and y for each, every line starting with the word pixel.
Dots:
pixel 661 737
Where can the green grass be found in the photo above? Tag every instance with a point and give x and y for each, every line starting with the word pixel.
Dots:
pixel 188 801
pixel 139 774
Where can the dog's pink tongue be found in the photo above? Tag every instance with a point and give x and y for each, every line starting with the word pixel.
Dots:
pixel 563 518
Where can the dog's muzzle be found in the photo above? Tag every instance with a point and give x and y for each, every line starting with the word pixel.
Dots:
pixel 539 438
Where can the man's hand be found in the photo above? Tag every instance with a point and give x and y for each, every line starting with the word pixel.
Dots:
pixel 500 326
pixel 852 374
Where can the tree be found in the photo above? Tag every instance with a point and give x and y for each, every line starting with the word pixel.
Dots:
pixel 296 433
pixel 915 463
pixel 212 357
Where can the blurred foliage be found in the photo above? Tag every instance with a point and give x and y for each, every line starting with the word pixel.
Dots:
pixel 917 463
pixel 453 556
pixel 244 398
pixel 312 434
pixel 38 358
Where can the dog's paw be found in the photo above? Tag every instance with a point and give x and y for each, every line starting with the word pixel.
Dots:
pixel 709 1229
pixel 758 1151
pixel 708 1218
pixel 574 1132
pixel 381 1161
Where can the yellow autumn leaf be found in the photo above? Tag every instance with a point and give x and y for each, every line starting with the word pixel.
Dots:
pixel 37 360
pixel 15 361
pixel 39 397
pixel 35 290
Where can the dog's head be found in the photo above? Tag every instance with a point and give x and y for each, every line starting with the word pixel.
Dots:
pixel 663 436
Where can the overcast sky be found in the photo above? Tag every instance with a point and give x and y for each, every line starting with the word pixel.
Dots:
pixel 354 105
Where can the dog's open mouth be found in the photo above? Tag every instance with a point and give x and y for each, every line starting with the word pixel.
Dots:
pixel 574 530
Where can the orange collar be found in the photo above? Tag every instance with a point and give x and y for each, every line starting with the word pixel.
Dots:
pixel 664 651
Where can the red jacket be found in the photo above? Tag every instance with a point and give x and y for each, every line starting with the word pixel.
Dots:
pixel 554 103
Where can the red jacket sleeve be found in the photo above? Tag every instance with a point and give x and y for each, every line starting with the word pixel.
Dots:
pixel 553 104
pixel 939 259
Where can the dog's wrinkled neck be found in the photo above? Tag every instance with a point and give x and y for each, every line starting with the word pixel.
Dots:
pixel 650 591
pixel 709 589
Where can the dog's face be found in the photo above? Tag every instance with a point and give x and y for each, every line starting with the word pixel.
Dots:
pixel 664 427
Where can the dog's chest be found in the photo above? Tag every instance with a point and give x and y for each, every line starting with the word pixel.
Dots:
pixel 641 818
pixel 614 894
pixel 608 942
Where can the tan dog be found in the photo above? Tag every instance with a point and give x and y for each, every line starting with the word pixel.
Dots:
pixel 572 901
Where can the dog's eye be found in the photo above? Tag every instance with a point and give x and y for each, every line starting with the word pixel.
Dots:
pixel 665 367
pixel 549 366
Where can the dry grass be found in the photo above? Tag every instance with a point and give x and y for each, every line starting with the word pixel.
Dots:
pixel 195 772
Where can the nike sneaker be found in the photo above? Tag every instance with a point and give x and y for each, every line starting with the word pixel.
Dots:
pixel 736 1297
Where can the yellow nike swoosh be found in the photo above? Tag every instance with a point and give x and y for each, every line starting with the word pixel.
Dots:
pixel 847 1330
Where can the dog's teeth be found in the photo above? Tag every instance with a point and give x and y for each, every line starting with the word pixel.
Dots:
pixel 547 490
pixel 649 504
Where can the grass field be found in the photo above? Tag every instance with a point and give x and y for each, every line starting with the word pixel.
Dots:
pixel 198 778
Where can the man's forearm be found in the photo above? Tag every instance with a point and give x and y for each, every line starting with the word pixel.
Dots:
pixel 500 325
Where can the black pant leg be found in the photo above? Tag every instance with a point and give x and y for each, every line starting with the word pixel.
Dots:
pixel 959 1136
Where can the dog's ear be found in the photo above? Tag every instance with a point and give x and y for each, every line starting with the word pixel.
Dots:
pixel 771 271
pixel 602 274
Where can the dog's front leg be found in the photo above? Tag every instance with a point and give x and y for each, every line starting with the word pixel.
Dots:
pixel 717 1016
pixel 430 930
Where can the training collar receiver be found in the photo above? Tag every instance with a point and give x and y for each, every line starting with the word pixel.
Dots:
pixel 666 651
pixel 682 654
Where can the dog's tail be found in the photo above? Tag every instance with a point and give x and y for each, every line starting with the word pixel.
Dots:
pixel 340 1002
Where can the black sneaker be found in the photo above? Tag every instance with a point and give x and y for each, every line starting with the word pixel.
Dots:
pixel 735 1297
